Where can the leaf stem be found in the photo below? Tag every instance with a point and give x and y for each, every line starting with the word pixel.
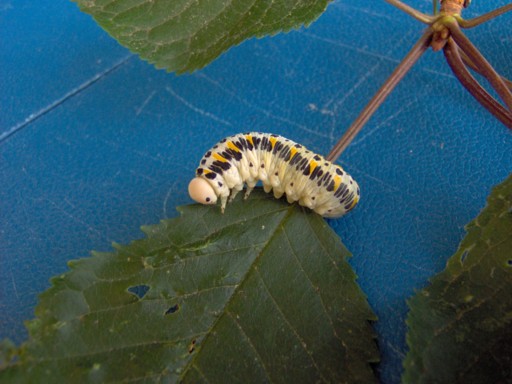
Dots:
pixel 400 71
pixel 479 60
pixel 420 16
pixel 485 17
pixel 451 52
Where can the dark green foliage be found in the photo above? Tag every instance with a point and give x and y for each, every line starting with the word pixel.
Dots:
pixel 262 293
pixel 460 326
pixel 184 35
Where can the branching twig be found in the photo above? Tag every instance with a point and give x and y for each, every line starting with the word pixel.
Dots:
pixel 486 17
pixel 443 33
pixel 486 69
pixel 451 52
pixel 405 65
pixel 472 65
pixel 420 16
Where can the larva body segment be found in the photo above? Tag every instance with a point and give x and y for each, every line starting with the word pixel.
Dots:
pixel 283 167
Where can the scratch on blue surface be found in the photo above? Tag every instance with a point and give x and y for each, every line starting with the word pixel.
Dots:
pixel 371 12
pixel 382 124
pixel 261 109
pixel 34 116
pixel 337 103
pixel 144 103
pixel 14 288
pixel 75 218
pixel 198 110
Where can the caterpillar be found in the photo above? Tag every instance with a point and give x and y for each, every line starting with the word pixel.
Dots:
pixel 282 166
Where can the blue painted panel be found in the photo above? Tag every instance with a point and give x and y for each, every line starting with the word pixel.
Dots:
pixel 96 143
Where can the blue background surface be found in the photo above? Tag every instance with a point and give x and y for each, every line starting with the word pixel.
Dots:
pixel 95 142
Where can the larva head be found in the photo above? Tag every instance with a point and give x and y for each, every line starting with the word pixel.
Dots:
pixel 201 191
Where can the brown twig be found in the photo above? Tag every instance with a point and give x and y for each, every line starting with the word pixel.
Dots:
pixel 451 52
pixel 484 18
pixel 400 71
pixel 420 16
pixel 486 69
pixel 472 65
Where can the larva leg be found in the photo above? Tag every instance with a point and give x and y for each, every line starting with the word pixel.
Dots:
pixel 250 186
pixel 235 191
pixel 223 202
pixel 278 192
pixel 267 188
pixel 306 201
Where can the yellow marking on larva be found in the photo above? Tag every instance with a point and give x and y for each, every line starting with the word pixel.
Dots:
pixel 312 166
pixel 293 152
pixel 337 182
pixel 219 157
pixel 273 141
pixel 354 202
pixel 233 146
pixel 249 139
pixel 206 171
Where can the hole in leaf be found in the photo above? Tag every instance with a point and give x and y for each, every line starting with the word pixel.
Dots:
pixel 139 290
pixel 172 309
pixel 192 346
pixel 509 263
pixel 463 256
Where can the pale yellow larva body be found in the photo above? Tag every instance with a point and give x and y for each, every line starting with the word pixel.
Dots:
pixel 283 167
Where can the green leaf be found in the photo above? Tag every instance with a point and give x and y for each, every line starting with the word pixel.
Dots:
pixel 184 35
pixel 460 327
pixel 262 293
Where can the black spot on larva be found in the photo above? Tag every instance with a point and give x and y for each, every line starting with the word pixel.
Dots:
pixel 223 140
pixel 199 171
pixel 203 162
pixel 312 197
pixel 291 184
pixel 139 290
pixel 339 171
pixel 262 165
pixel 215 146
pixel 211 175
pixel 316 157
pixel 220 184
pixel 277 173
pixel 224 165
pixel 241 144
pixel 279 147
pixel 315 173
pixel 172 309
pixel 232 154
pixel 341 189
pixel 330 187
pixel 208 154
pixel 226 155
pixel 250 165
pixel 207 199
